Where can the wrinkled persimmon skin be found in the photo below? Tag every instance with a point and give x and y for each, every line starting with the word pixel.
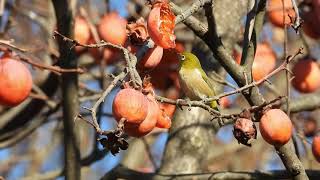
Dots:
pixel 15 82
pixel 275 13
pixel 161 23
pixel 151 59
pixel 131 105
pixel 275 127
pixel 147 125
pixel 306 76
pixel 112 28
pixel 316 147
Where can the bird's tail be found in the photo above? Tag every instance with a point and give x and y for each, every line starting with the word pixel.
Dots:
pixel 214 105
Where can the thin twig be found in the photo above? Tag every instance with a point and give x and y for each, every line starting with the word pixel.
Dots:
pixel 219 79
pixel 22 55
pixel 55 69
pixel 297 21
pixel 203 103
pixel 196 6
pixel 93 110
pixel 257 83
pixel 131 59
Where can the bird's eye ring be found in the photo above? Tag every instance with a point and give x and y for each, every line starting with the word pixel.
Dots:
pixel 183 57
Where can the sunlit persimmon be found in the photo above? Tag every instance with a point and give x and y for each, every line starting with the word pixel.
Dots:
pixel 316 147
pixel 275 127
pixel 147 125
pixel 112 28
pixel 151 59
pixel 306 74
pixel 81 32
pixel 131 105
pixel 275 12
pixel 15 82
pixel 161 23
pixel 263 63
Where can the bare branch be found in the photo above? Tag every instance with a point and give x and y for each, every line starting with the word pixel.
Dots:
pixel 196 6
pixel 126 173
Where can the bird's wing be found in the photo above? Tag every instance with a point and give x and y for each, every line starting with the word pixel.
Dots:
pixel 214 104
pixel 204 85
pixel 209 82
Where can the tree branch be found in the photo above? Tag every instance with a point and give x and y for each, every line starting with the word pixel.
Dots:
pixel 64 11
pixel 126 173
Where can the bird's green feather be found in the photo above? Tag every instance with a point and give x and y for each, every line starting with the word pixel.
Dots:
pixel 191 63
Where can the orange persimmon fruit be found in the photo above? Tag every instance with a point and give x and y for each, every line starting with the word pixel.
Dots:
pixel 160 24
pixel 112 28
pixel 306 74
pixel 131 105
pixel 151 59
pixel 15 82
pixel 275 12
pixel 81 32
pixel 316 147
pixel 264 61
pixel 148 124
pixel 275 127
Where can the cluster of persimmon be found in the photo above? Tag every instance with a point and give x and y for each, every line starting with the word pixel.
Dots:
pixel 140 110
pixel 275 127
pixel 264 61
pixel 160 62
pixel 15 81
pixel 306 71
pixel 309 10
pixel 116 30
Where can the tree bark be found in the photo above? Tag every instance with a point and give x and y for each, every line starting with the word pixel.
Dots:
pixel 188 143
pixel 192 132
pixel 65 14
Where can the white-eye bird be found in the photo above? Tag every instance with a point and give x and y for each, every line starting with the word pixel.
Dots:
pixel 193 80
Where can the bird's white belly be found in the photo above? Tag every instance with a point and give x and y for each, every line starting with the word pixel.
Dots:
pixel 190 82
